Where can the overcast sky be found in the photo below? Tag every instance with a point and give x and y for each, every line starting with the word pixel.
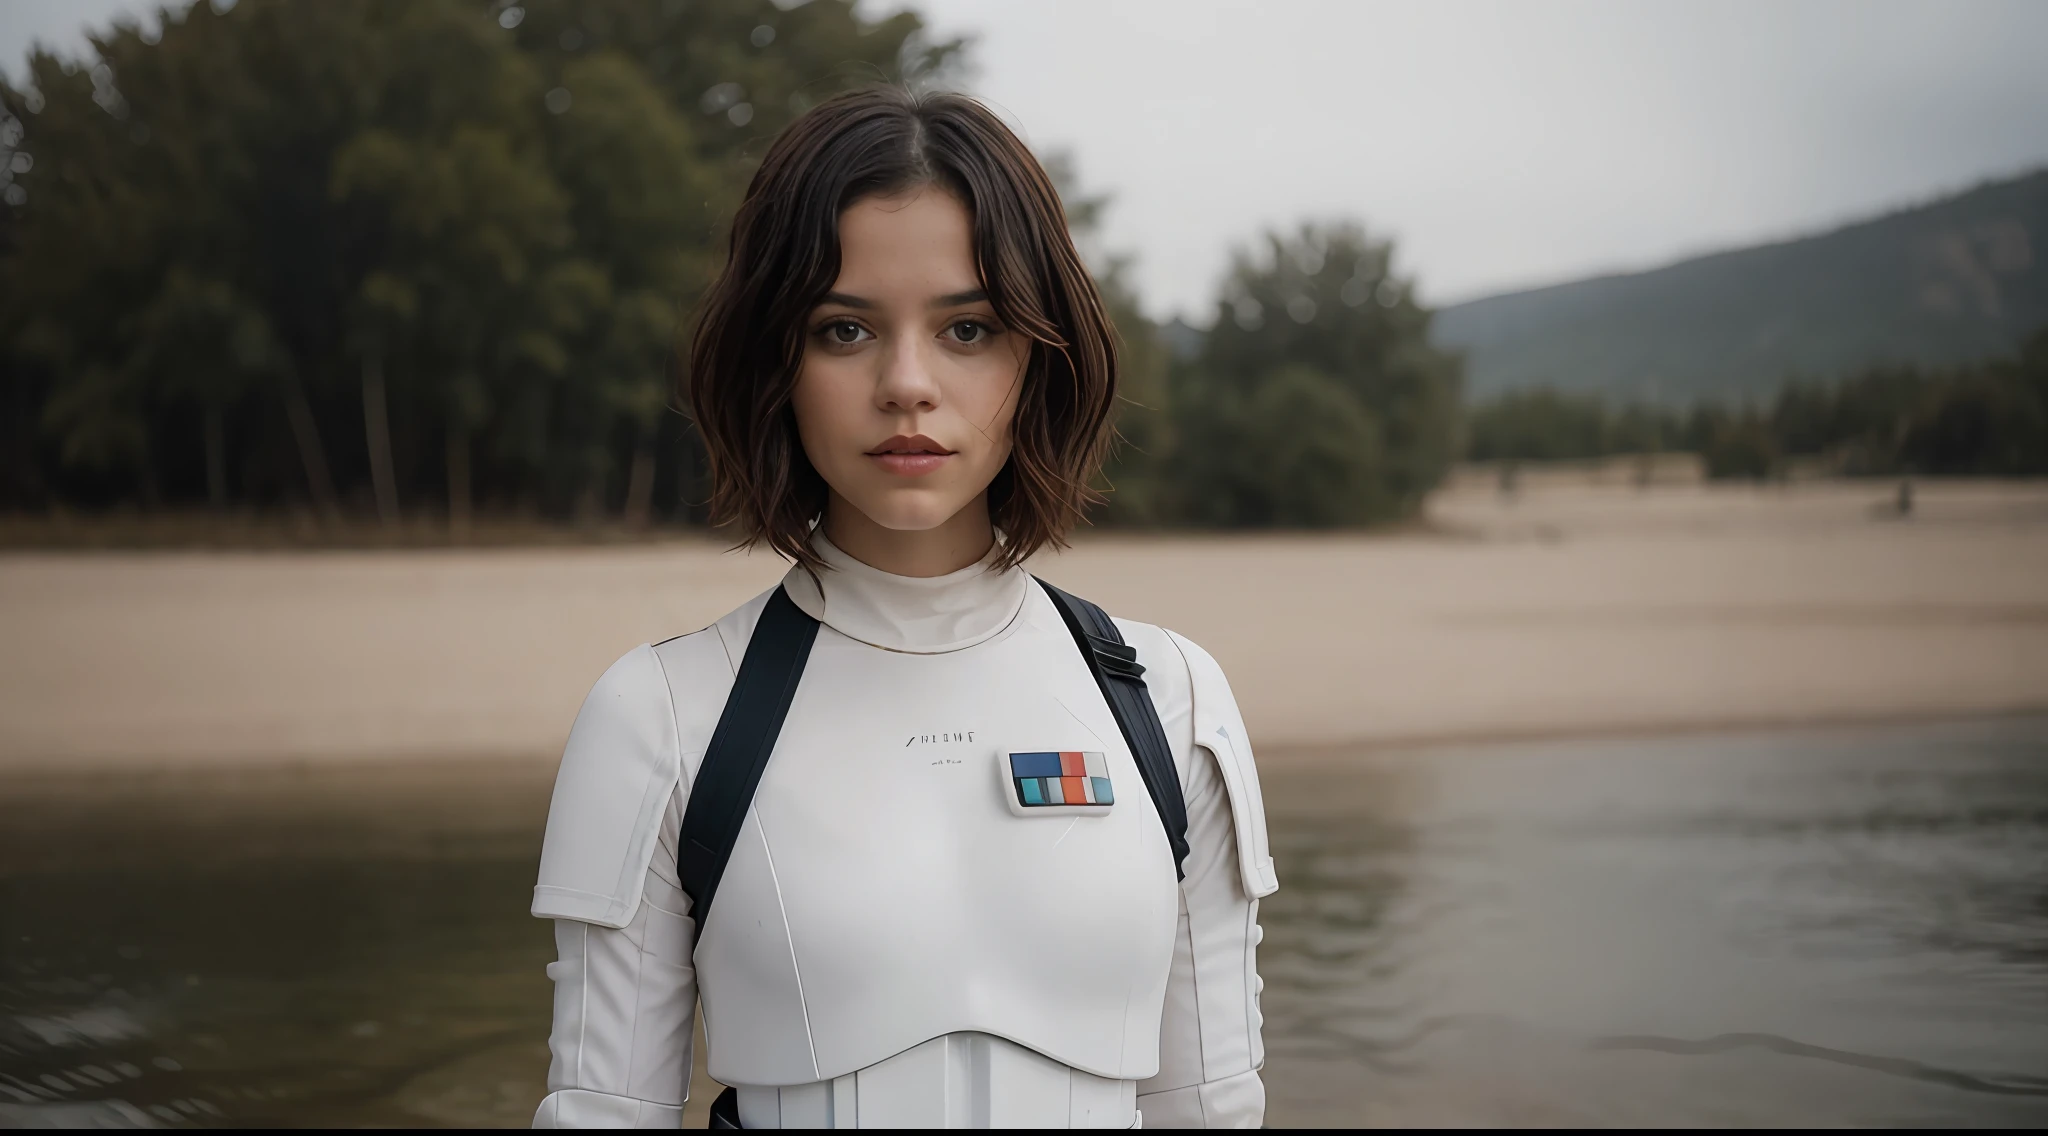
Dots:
pixel 1502 144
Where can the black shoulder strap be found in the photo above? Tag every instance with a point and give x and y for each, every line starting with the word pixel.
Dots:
pixel 739 748
pixel 1121 678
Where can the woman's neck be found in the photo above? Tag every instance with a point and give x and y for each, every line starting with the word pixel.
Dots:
pixel 961 540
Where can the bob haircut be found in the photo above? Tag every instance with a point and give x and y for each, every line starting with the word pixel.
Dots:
pixel 782 258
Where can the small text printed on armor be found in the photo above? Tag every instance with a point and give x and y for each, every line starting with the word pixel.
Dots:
pixel 930 739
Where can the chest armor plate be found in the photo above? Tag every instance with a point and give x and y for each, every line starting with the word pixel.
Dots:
pixel 882 893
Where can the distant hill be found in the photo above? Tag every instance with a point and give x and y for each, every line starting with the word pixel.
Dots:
pixel 1955 280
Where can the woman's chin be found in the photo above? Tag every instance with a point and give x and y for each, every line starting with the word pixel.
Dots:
pixel 915 520
pixel 910 511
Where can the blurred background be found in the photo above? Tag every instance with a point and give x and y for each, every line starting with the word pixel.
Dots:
pixel 1604 443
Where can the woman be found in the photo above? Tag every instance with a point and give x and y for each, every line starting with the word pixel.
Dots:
pixel 943 838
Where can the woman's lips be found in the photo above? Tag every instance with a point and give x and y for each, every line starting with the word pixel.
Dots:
pixel 910 465
pixel 911 456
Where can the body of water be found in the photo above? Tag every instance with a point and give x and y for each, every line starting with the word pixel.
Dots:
pixel 1842 927
pixel 1826 928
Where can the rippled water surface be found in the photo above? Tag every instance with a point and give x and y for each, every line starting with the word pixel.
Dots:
pixel 1824 927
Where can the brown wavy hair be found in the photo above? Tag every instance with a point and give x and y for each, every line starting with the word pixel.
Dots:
pixel 782 257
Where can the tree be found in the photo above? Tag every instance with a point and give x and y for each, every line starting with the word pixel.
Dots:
pixel 1295 450
pixel 196 318
pixel 1132 481
pixel 1136 471
pixel 363 251
pixel 1325 302
pixel 468 277
pixel 1538 425
pixel 640 206
pixel 1740 447
pixel 1981 423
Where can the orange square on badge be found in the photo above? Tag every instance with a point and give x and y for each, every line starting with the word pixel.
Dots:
pixel 1074 790
pixel 1073 765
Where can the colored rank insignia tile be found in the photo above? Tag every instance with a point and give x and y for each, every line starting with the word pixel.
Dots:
pixel 1049 781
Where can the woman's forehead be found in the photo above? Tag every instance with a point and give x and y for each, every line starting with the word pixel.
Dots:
pixel 915 247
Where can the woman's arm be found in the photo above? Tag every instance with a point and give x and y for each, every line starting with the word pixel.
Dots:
pixel 1210 1047
pixel 625 990
pixel 625 1002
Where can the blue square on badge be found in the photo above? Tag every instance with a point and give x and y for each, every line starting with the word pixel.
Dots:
pixel 1056 778
pixel 1034 765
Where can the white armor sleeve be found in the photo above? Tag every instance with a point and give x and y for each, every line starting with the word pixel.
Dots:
pixel 625 1003
pixel 1210 1048
pixel 625 989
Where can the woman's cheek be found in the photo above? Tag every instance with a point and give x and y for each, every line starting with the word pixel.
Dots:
pixel 826 411
pixel 995 386
pixel 1005 415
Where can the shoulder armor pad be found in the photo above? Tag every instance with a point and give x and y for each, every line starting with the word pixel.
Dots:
pixel 617 772
pixel 640 734
pixel 1219 728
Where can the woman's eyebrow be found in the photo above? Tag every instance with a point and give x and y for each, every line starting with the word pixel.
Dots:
pixel 949 300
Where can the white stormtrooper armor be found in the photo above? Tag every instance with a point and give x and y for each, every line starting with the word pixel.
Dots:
pixel 893 944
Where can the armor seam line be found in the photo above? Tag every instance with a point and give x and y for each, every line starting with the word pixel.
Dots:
pixel 1195 955
pixel 628 893
pixel 677 795
pixel 1123 1045
pixel 640 956
pixel 1194 732
pixel 675 723
pixel 583 1004
pixel 1251 994
pixel 727 649
pixel 789 933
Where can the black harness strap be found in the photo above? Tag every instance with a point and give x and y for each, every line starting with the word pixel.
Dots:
pixel 1121 679
pixel 739 747
pixel 725 1110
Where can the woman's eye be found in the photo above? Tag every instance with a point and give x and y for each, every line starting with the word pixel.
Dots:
pixel 844 332
pixel 969 331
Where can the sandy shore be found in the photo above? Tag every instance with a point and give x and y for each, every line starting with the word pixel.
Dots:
pixel 1573 608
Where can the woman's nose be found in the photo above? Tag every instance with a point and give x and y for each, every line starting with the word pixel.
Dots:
pixel 907 382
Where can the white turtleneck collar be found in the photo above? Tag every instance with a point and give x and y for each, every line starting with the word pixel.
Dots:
pixel 918 615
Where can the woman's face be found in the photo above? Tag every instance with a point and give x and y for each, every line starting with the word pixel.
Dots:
pixel 909 381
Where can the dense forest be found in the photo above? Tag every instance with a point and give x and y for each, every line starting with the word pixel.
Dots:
pixel 426 261
pixel 1946 283
pixel 1983 419
pixel 363 255
pixel 430 259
